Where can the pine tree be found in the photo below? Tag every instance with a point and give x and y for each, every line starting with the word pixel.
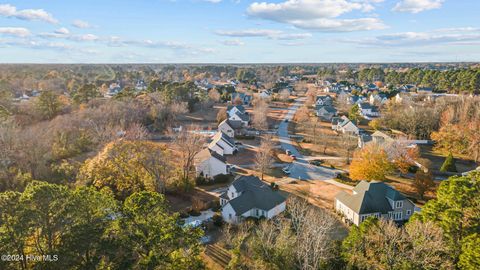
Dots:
pixel 449 164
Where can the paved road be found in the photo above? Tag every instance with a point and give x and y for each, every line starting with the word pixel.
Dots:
pixel 301 169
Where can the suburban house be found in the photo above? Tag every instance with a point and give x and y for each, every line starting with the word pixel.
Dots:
pixel 326 113
pixel 232 128
pixel 378 99
pixel 246 99
pixel 244 118
pixel 324 101
pixel 222 144
pixel 344 125
pixel 379 137
pixel 209 163
pixel 233 109
pixel 375 199
pixel 248 196
pixel 356 100
pixel 265 94
pixel 367 110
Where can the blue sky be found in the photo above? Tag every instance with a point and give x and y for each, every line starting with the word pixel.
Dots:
pixel 239 31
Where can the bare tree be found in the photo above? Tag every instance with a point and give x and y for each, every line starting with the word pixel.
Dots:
pixel 314 242
pixel 260 113
pixel 189 143
pixel 264 157
pixel 214 95
pixel 349 143
pixel 284 95
pixel 221 115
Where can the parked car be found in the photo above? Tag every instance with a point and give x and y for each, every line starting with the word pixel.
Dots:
pixel 288 152
pixel 238 143
pixel 286 169
pixel 286 120
pixel 316 162
pixel 293 157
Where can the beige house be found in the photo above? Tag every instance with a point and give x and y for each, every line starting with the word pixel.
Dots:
pixel 375 199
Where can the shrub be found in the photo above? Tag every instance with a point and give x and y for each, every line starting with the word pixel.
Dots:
pixel 217 220
pixel 221 178
pixel 194 213
pixel 449 164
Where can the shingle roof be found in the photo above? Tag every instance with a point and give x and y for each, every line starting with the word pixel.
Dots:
pixel 206 154
pixel 254 194
pixel 224 137
pixel 370 198
pixel 243 116
pixel 239 107
pixel 328 109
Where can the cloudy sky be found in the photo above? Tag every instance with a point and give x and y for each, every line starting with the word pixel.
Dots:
pixel 238 31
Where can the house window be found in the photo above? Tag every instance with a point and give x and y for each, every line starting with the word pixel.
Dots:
pixel 397 216
pixel 258 214
pixel 409 212
pixel 398 204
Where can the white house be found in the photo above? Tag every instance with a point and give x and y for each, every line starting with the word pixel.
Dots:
pixel 367 110
pixel 265 94
pixel 344 125
pixel 231 110
pixel 244 118
pixel 222 144
pixel 248 196
pixel 375 199
pixel 209 163
pixel 324 101
pixel 378 99
pixel 226 127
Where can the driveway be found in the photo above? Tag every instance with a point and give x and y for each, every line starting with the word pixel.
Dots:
pixel 301 169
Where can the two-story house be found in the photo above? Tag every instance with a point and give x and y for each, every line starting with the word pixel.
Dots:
pixel 222 144
pixel 248 196
pixel 209 163
pixel 375 199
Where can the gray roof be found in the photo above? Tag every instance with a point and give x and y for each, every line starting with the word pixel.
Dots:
pixel 245 117
pixel 254 194
pixel 326 109
pixel 239 107
pixel 224 137
pixel 370 197
pixel 206 154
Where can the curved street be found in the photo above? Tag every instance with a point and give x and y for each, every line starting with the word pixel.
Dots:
pixel 300 169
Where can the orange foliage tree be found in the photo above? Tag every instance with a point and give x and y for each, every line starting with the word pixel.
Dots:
pixel 370 163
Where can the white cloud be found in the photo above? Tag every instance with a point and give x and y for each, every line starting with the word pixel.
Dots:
pixel 85 37
pixel 62 31
pixel 320 15
pixel 213 1
pixel 268 33
pixel 9 11
pixel 81 24
pixel 233 42
pixel 416 6
pixel 14 31
pixel 450 36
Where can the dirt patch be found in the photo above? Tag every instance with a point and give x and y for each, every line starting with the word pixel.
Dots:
pixel 196 199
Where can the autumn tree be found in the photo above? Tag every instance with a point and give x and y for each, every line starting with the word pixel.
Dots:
pixel 423 181
pixel 127 167
pixel 264 155
pixel 370 163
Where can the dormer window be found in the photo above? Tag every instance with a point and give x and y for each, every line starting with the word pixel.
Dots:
pixel 398 204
